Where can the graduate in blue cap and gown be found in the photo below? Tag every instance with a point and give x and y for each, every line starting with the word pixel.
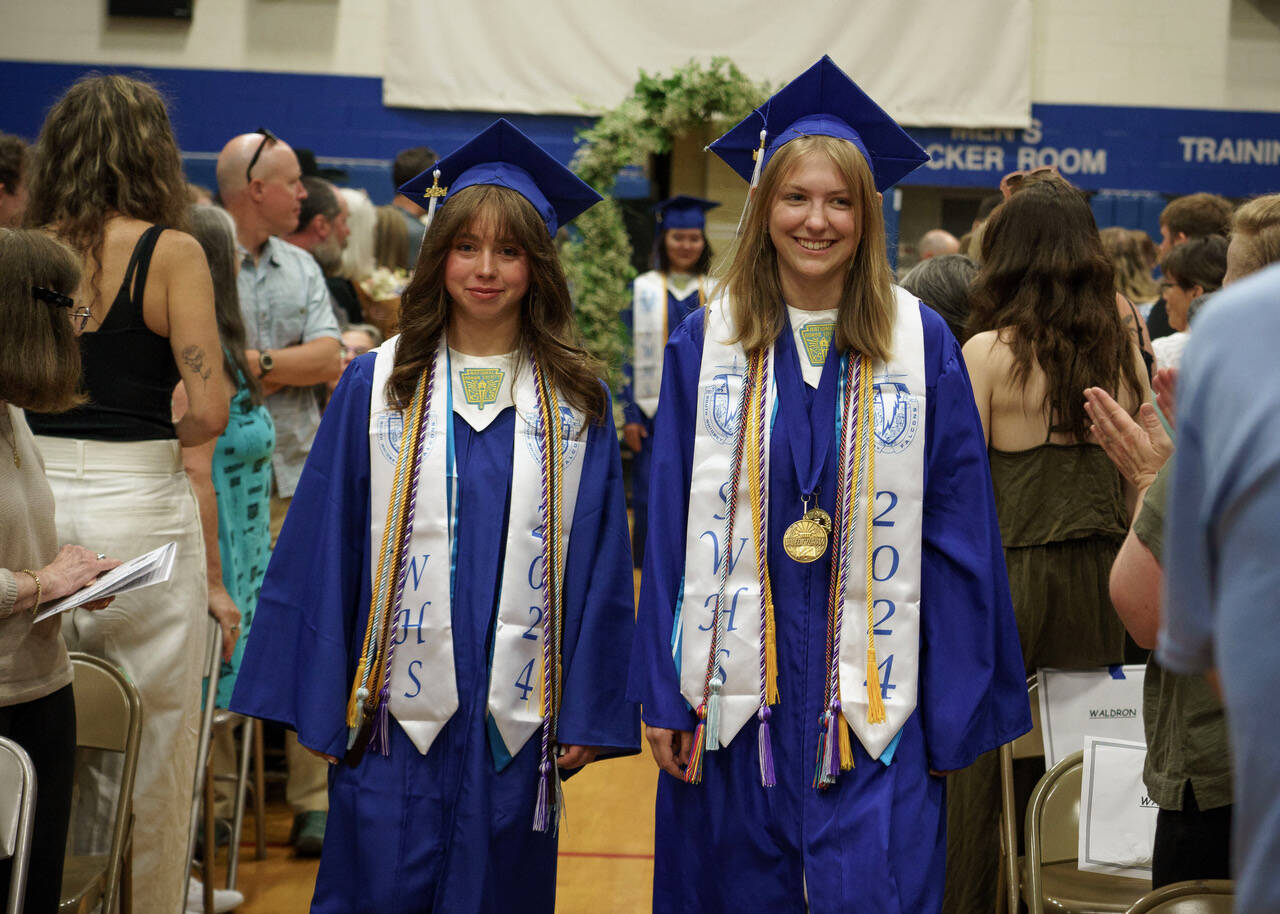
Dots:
pixel 824 626
pixel 451 595
pixel 660 300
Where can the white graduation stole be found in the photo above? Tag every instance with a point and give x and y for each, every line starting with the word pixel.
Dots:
pixel 899 433
pixel 649 339
pixel 423 680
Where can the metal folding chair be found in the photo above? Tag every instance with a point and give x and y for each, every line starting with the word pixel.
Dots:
pixel 1198 896
pixel 17 816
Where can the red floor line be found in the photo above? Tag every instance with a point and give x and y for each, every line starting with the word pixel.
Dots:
pixel 606 855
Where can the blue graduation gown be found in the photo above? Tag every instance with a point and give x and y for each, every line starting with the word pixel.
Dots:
pixel 875 841
pixel 445 831
pixel 677 310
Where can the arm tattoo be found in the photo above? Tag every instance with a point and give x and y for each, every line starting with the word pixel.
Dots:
pixel 193 358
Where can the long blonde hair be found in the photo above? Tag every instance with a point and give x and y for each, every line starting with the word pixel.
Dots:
pixel 864 322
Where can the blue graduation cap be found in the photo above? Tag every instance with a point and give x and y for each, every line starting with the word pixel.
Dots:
pixel 822 101
pixel 683 212
pixel 504 156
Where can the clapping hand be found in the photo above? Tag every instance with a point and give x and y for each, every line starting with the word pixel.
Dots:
pixel 1138 449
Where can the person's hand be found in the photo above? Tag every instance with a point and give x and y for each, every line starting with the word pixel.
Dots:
pixel 1165 384
pixel 328 758
pixel 71 569
pixel 670 749
pixel 937 773
pixel 576 756
pixel 1138 449
pixel 633 435
pixel 224 610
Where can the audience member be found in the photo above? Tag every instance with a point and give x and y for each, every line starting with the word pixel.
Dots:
pixel 1191 270
pixel 1044 326
pixel 1221 541
pixel 108 180
pixel 322 232
pixel 39 369
pixel 943 284
pixel 1184 218
pixel 357 339
pixel 391 239
pixel 409 163
pixel 291 344
pixel 937 242
pixel 971 242
pixel 1128 250
pixel 14 156
pixel 357 257
pixel 1255 237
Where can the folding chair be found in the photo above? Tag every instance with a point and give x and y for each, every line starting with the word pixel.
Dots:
pixel 17 816
pixel 202 787
pixel 108 718
pixel 250 753
pixel 1054 879
pixel 1029 745
pixel 1198 896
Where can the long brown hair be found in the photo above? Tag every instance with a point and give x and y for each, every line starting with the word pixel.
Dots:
pixel 1046 280
pixel 39 353
pixel 1133 276
pixel 866 313
pixel 548 332
pixel 106 147
pixel 216 232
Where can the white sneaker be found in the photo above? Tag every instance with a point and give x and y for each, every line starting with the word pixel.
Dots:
pixel 223 899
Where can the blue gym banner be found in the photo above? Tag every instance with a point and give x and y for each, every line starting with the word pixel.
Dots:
pixel 1097 147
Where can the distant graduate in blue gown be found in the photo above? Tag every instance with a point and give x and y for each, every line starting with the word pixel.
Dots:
pixel 660 300
pixel 451 596
pixel 824 626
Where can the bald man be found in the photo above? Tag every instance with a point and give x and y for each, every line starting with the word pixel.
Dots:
pixel 293 343
pixel 937 242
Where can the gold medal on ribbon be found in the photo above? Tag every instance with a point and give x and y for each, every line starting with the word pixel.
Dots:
pixel 805 540
pixel 819 517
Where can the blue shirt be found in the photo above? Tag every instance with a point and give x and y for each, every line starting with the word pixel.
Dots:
pixel 1222 544
pixel 285 302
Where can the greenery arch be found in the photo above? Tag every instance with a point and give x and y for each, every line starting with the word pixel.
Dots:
pixel 659 109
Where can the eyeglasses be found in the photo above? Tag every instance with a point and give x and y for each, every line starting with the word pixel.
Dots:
pixel 79 316
pixel 267 137
pixel 1013 181
pixel 352 351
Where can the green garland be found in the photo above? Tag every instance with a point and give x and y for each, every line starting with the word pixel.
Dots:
pixel 659 109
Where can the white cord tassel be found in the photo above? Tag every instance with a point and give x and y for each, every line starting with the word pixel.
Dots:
pixel 431 205
pixel 755 181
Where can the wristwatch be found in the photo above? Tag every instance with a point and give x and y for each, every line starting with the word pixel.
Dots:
pixel 265 363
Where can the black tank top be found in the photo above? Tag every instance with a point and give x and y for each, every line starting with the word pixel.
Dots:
pixel 128 372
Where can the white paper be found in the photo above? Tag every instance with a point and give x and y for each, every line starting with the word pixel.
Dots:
pixel 152 568
pixel 1117 818
pixel 1075 704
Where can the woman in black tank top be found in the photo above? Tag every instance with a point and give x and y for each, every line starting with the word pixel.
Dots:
pixel 108 181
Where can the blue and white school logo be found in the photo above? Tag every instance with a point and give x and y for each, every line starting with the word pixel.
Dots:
pixel 897 413
pixel 570 434
pixel 390 431
pixel 721 404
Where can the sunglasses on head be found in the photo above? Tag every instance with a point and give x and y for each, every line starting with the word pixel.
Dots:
pixel 267 136
pixel 79 316
pixel 1013 181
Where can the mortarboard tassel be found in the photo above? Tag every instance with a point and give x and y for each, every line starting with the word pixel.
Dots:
pixel 713 715
pixel 433 194
pixel 758 155
pixel 764 745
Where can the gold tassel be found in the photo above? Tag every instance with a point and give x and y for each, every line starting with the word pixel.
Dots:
pixel 846 749
pixel 875 705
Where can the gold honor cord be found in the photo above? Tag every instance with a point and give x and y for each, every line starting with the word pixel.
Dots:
pixel 875 703
pixel 371 671
pixel 755 420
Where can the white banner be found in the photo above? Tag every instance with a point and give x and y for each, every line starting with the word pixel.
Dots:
pixel 926 62
pixel 1117 818
pixel 1076 704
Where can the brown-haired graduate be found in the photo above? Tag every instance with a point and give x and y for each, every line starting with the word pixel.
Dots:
pixel 450 598
pixel 823 548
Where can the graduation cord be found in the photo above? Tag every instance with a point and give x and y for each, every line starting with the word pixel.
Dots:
pixel 706 737
pixel 365 703
pixel 551 450
pixel 768 629
pixel 835 753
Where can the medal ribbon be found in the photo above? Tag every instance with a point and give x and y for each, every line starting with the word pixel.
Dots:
pixel 809 435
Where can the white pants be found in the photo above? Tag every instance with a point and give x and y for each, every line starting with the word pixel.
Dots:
pixel 124 499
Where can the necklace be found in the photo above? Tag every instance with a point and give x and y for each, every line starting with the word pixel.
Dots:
pixel 13 438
